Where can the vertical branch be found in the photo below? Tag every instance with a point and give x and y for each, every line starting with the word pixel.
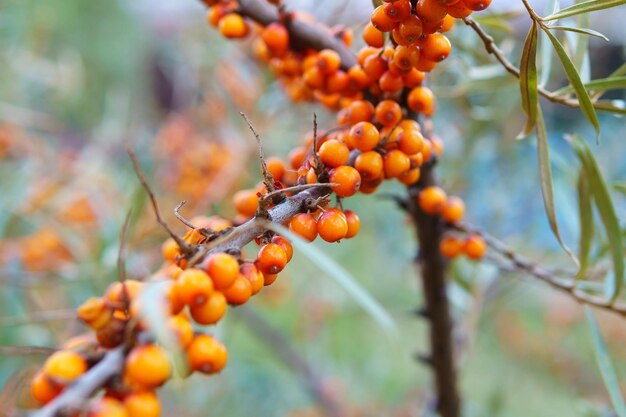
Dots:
pixel 436 310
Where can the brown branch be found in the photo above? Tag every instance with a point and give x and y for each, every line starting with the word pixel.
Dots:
pixel 121 253
pixel 492 48
pixel 441 357
pixel 74 396
pixel 522 264
pixel 302 35
pixel 288 354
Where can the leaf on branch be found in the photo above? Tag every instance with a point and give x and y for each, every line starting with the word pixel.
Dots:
pixel 341 276
pixel 612 106
pixel 606 367
pixel 583 31
pixel 584 7
pixel 528 81
pixel 585 211
pixel 586 106
pixel 601 85
pixel 545 175
pixel 602 198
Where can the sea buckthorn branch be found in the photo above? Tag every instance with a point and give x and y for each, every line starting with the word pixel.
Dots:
pixel 522 264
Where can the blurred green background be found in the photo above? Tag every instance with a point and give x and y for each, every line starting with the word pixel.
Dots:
pixel 78 79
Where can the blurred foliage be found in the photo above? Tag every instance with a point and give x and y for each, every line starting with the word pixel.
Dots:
pixel 79 79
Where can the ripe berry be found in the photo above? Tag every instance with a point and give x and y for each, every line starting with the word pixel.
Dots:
pixel 123 292
pixel 421 100
pixel 304 225
pixel 364 136
pixel 432 200
pixel 410 177
pixel 107 407
pixel 95 312
pixel 398 10
pixel 410 141
pixel 276 37
pixel 210 312
pixel 348 181
pixel 381 21
pixel 328 61
pixel 276 167
pixel 147 366
pixel 354 223
pixel 375 66
pixel 459 10
pixel 410 30
pixel 406 57
pixel 271 259
pixel 223 270
pixel 454 210
pixel 254 277
pixel 395 163
pixel 297 157
pixel 233 26
pixel 334 153
pixel 142 404
pixel 332 225
pixel 369 164
pixel 431 10
pixel 194 287
pixel 182 328
pixel 390 82
pixel 451 247
pixel 42 389
pixel 476 5
pixel 338 82
pixel 206 354
pixel 436 47
pixel 388 113
pixel 413 78
pixel 170 250
pixel 64 366
pixel 285 244
pixel 372 36
pixel 475 247
pixel 240 292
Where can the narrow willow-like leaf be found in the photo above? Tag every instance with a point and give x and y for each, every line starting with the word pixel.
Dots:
pixel 545 176
pixel 620 71
pixel 610 107
pixel 583 31
pixel 341 276
pixel 606 367
pixel 574 78
pixel 585 211
pixel 621 187
pixel 528 80
pixel 604 203
pixel 544 47
pixel 584 7
pixel 603 84
pixel 581 53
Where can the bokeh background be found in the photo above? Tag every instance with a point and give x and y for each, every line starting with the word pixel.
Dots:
pixel 78 79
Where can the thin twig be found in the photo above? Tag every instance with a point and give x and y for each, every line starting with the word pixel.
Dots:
pixel 319 167
pixel 268 178
pixel 121 254
pixel 180 216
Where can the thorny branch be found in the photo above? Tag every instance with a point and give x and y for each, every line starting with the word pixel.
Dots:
pixel 522 264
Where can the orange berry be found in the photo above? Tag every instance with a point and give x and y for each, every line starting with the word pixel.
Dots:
pixel 147 366
pixel 406 57
pixel 421 100
pixel 233 26
pixel 398 10
pixel 95 312
pixel 410 30
pixel 365 53
pixel 413 78
pixel 381 20
pixel 390 82
pixel 276 37
pixel 240 292
pixel 454 210
pixel 395 163
pixel 432 200
pixel 328 61
pixel 332 225
pixel 348 181
pixel 64 366
pixel 123 292
pixel 297 157
pixel 268 279
pixel 254 277
pixel 427 150
pixel 271 259
pixel 388 113
pixel 476 5
pixel 314 78
pixel 107 407
pixel 193 287
pixel 304 225
pixel 410 141
pixel 448 23
pixel 338 82
pixel 364 136
pixel 182 328
pixel 475 247
pixel 354 223
pixel 375 66
pixel 170 250
pixel 410 177
pixel 42 389
pixel 459 10
pixel 113 334
pixel 430 10
pixel 276 167
pixel 223 270
pixel 285 244
pixel 369 164
pixel 207 355
pixel 358 78
pixel 436 47
pixel 451 247
pixel 142 404
pixel 372 36
pixel 334 153
pixel 220 10
pixel 360 111
pixel 210 312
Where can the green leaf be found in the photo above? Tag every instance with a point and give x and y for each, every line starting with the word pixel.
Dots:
pixel 574 78
pixel 583 31
pixel 602 84
pixel 545 175
pixel 602 199
pixel 611 106
pixel 340 275
pixel 606 367
pixel 585 211
pixel 584 7
pixel 621 187
pixel 528 81
pixel 377 3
